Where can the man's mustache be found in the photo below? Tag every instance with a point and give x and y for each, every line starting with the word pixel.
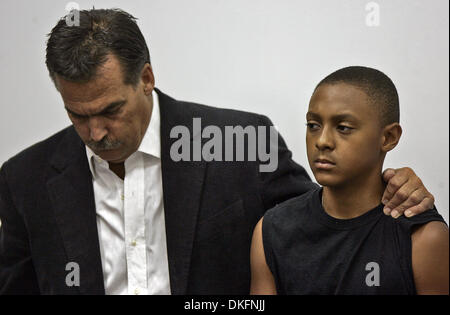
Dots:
pixel 104 144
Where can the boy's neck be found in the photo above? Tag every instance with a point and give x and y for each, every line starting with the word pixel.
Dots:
pixel 355 199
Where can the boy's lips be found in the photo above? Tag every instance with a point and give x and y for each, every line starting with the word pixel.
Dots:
pixel 324 164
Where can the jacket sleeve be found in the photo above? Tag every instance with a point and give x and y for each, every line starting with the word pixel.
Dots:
pixel 17 274
pixel 288 180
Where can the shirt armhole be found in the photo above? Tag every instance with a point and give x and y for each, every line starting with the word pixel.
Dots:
pixel 267 232
pixel 404 229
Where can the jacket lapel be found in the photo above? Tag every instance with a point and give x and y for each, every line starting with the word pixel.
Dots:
pixel 71 193
pixel 182 187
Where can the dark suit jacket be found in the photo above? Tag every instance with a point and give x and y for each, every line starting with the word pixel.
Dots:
pixel 48 212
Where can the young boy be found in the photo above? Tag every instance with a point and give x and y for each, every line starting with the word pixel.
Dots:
pixel 336 239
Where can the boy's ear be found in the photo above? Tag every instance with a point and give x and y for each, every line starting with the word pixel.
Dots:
pixel 391 136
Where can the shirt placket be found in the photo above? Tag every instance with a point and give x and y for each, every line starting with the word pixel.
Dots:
pixel 135 225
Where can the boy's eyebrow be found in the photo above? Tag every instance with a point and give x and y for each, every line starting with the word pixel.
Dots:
pixel 341 117
pixel 110 108
pixel 337 117
pixel 312 115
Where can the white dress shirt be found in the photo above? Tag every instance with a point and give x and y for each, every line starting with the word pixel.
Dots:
pixel 130 218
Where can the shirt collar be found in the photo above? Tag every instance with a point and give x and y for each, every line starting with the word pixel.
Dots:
pixel 151 142
pixel 91 156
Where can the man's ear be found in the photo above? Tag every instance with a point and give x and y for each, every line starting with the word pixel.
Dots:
pixel 148 79
pixel 391 136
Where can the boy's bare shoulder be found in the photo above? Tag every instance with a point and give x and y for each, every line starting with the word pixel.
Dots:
pixel 431 233
pixel 430 246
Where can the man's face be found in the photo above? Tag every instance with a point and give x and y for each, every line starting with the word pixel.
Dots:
pixel 109 116
pixel 343 135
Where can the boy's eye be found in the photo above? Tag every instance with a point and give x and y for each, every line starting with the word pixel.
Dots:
pixel 312 126
pixel 344 129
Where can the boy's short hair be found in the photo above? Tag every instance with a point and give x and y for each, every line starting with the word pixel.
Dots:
pixel 379 88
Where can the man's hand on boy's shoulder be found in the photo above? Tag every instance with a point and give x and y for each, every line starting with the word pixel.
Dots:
pixel 405 193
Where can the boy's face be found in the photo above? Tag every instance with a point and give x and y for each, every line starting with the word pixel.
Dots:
pixel 344 135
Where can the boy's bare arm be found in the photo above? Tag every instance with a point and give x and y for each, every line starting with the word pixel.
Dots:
pixel 262 279
pixel 430 248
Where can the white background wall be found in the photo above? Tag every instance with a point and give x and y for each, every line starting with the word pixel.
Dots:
pixel 263 56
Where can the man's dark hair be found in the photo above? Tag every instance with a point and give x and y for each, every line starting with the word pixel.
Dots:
pixel 379 88
pixel 74 52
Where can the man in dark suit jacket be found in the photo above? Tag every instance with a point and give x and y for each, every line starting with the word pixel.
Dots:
pixel 47 204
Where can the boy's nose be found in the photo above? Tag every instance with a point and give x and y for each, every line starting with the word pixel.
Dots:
pixel 325 140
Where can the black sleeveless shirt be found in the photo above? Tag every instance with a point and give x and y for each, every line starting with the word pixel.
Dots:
pixel 310 252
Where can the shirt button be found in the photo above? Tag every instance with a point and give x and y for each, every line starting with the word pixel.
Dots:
pixel 133 243
pixel 122 197
pixel 136 291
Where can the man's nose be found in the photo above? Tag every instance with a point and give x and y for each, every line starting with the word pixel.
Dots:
pixel 325 140
pixel 97 129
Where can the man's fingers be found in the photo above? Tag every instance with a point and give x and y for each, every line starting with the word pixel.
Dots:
pixel 413 200
pixel 389 193
pixel 388 174
pixel 394 182
pixel 405 193
pixel 426 204
pixel 400 196
pixel 393 189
